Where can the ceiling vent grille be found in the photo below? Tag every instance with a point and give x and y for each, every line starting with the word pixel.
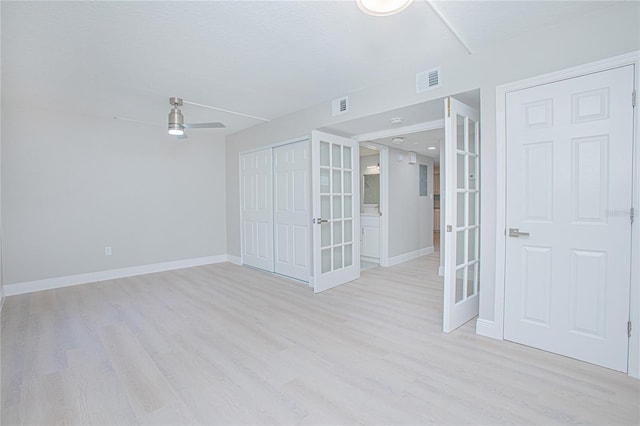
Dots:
pixel 427 80
pixel 340 106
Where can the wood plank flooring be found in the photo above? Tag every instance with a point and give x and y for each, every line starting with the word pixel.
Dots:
pixel 222 344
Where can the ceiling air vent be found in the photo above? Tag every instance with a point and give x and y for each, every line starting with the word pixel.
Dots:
pixel 427 80
pixel 340 106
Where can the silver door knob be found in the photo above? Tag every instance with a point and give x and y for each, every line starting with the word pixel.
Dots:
pixel 319 220
pixel 515 233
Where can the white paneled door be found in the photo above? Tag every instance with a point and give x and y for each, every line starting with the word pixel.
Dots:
pixel 336 213
pixel 462 217
pixel 256 209
pixel 569 182
pixel 291 213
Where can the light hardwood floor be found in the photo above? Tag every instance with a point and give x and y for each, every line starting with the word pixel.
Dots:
pixel 223 344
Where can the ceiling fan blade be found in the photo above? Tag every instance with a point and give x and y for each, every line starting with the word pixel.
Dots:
pixel 203 125
pixel 131 120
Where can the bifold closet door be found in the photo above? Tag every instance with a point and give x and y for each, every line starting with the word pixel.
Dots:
pixel 257 209
pixel 291 210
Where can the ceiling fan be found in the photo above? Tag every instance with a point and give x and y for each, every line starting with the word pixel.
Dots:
pixel 177 124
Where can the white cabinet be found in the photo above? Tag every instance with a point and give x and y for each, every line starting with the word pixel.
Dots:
pixel 370 237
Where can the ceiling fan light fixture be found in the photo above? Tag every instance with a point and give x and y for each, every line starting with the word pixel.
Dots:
pixel 175 130
pixel 176 119
pixel 382 7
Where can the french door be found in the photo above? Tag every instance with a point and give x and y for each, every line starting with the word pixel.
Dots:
pixel 336 214
pixel 462 215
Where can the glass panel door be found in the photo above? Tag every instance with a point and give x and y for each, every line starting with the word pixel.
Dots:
pixel 335 192
pixel 462 230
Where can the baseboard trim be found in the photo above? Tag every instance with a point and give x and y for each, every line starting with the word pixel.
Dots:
pixel 370 259
pixel 408 256
pixel 489 329
pixel 91 277
pixel 2 297
pixel 236 260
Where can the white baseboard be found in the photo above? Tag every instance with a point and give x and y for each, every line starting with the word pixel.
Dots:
pixel 236 260
pixel 489 329
pixel 370 259
pixel 407 256
pixel 2 297
pixel 91 277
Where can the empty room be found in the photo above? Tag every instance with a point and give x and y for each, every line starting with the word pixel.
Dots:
pixel 319 212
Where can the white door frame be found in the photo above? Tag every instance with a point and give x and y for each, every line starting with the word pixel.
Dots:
pixel 495 328
pixel 384 174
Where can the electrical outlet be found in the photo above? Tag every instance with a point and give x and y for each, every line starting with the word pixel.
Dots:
pixel 107 250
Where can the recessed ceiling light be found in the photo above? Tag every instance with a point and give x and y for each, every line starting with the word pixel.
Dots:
pixel 397 120
pixel 431 148
pixel 397 140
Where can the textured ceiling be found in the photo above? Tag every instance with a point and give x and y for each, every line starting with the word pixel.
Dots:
pixel 265 58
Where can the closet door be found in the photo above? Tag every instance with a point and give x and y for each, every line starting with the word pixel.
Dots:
pixel 256 198
pixel 291 211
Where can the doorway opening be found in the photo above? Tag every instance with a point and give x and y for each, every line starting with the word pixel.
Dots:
pixel 403 158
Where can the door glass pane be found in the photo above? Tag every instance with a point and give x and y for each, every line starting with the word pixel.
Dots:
pixel 348 206
pixel 337 257
pixel 325 234
pixel 336 151
pixel 460 289
pixel 473 177
pixel 461 181
pixel 346 159
pixel 348 231
pixel 324 154
pixel 326 260
pixel 460 209
pixel 325 188
pixel 471 249
pixel 472 136
pixel 337 233
pixel 348 255
pixel 473 274
pixel 337 181
pixel 473 196
pixel 460 133
pixel 337 207
pixel 347 182
pixel 460 249
pixel 325 206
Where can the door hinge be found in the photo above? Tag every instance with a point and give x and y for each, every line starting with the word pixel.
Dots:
pixel 633 99
pixel 449 107
pixel 629 329
pixel 632 214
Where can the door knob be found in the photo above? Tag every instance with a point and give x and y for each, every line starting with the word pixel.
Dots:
pixel 319 220
pixel 515 233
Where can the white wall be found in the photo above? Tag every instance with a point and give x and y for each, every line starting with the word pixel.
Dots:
pixel 410 215
pixel 1 278
pixel 609 32
pixel 73 184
